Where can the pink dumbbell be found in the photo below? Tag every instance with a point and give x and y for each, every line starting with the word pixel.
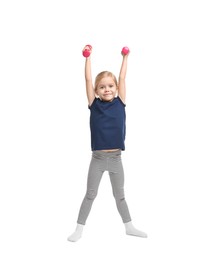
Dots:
pixel 87 51
pixel 125 50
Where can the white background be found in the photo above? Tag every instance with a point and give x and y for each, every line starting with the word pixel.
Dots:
pixel 45 139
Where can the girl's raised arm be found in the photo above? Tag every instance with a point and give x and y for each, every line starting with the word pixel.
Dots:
pixel 122 75
pixel 88 76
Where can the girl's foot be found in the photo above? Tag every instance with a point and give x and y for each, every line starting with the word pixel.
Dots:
pixel 132 231
pixel 77 234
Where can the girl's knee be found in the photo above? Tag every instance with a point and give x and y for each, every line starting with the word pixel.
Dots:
pixel 119 195
pixel 91 194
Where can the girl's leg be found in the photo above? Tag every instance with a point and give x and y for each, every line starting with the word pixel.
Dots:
pixel 94 177
pixel 93 181
pixel 117 181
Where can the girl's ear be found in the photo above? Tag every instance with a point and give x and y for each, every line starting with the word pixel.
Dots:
pixel 116 91
pixel 96 93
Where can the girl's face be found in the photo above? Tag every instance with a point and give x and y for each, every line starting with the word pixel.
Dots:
pixel 106 89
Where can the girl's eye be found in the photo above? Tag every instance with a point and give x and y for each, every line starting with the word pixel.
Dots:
pixel 101 87
pixel 110 86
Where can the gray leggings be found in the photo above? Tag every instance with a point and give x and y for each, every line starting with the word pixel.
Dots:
pixel 101 162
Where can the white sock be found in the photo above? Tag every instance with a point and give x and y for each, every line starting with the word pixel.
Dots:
pixel 132 231
pixel 77 233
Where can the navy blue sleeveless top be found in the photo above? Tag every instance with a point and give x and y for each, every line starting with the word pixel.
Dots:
pixel 107 124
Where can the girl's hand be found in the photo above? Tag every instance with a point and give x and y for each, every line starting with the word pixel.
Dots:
pixel 125 51
pixel 87 50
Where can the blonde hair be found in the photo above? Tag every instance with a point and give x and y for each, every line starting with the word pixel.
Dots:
pixel 104 74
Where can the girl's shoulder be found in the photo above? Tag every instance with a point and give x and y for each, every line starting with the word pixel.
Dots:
pixel 120 100
pixel 94 101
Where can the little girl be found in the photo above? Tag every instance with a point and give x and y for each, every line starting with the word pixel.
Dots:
pixel 108 128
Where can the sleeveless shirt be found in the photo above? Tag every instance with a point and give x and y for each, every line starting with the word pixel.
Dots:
pixel 107 124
